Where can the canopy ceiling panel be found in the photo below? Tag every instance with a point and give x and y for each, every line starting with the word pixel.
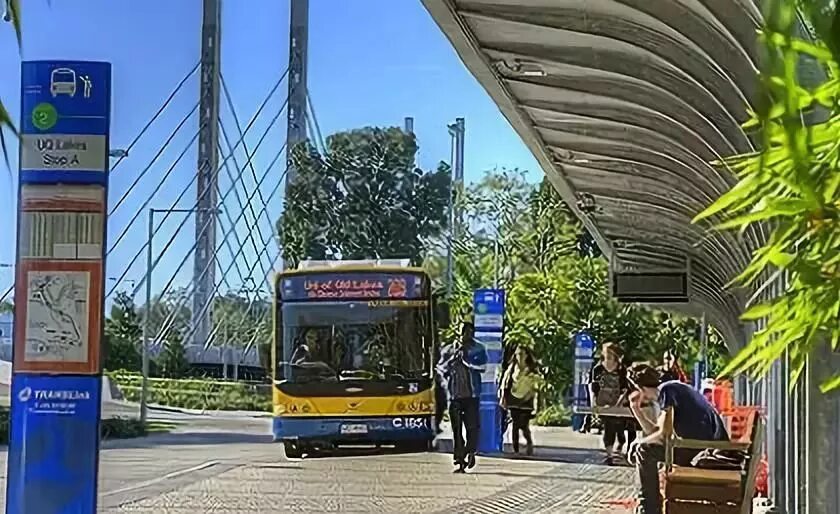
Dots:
pixel 625 103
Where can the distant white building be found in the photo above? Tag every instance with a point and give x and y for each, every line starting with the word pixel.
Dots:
pixel 6 327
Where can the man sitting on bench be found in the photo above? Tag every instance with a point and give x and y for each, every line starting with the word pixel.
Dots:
pixel 694 418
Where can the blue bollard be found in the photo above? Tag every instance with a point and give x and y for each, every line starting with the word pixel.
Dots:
pixel 490 427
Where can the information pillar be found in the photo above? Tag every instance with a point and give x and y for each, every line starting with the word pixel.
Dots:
pixel 59 288
pixel 489 307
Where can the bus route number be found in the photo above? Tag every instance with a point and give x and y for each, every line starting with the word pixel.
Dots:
pixel 410 423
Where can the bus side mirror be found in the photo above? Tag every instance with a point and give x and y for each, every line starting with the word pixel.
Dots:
pixel 442 314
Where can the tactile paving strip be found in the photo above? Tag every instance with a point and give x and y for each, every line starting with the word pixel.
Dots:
pixel 571 489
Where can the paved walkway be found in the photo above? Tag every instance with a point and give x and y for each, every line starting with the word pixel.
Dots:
pixel 222 467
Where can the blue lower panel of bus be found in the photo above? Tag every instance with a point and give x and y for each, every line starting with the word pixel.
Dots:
pixel 380 428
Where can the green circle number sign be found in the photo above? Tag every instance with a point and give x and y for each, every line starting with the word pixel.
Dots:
pixel 44 116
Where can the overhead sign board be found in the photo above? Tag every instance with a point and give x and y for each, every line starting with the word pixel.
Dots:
pixel 651 287
pixel 352 286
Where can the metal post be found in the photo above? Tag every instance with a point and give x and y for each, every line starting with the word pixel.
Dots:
pixel 296 111
pixel 459 165
pixel 147 317
pixel 450 236
pixel 208 166
pixel 704 344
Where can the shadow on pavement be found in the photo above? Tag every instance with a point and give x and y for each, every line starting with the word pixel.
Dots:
pixel 188 439
pixel 558 454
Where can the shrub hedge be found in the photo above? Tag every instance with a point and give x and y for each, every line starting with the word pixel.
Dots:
pixel 554 416
pixel 196 393
pixel 113 428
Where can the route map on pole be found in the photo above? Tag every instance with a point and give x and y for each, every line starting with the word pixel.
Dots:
pixel 57 316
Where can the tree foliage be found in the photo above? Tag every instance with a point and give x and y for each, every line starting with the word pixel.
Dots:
pixel 555 285
pixel 123 335
pixel 792 187
pixel 6 306
pixel 6 122
pixel 172 361
pixel 242 321
pixel 363 199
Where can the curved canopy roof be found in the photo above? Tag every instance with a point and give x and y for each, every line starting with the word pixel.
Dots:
pixel 625 103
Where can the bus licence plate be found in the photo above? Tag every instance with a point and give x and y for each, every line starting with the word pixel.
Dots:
pixel 354 429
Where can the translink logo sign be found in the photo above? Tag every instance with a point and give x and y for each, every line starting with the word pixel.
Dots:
pixel 25 394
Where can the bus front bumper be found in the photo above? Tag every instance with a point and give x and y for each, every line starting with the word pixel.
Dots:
pixel 384 429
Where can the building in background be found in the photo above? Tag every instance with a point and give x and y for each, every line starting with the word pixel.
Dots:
pixel 6 324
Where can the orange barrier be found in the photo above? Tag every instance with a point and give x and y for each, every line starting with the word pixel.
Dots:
pixel 723 397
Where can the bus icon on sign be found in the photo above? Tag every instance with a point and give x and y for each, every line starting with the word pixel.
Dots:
pixel 63 81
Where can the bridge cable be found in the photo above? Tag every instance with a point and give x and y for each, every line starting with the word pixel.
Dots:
pixel 160 151
pixel 193 248
pixel 157 114
pixel 183 192
pixel 232 109
pixel 207 267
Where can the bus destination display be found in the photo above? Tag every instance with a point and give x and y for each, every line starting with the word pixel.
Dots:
pixel 352 286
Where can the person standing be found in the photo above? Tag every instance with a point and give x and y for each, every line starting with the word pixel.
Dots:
pixel 608 387
pixel 460 367
pixel 671 369
pixel 518 393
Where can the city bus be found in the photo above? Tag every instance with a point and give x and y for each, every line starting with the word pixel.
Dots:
pixel 353 356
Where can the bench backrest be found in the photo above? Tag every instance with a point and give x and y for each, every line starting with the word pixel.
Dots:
pixel 756 449
pixel 747 427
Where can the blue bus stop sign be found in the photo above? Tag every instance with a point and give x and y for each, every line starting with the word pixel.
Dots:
pixel 56 379
pixel 489 307
pixel 584 354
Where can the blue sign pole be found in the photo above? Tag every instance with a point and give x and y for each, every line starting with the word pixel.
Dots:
pixel 59 288
pixel 489 306
pixel 584 354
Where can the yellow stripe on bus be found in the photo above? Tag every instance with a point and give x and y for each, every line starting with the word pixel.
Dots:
pixel 302 406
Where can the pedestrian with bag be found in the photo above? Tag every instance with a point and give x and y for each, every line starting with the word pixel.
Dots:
pixel 518 395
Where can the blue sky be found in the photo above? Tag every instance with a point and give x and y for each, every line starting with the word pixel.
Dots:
pixel 371 62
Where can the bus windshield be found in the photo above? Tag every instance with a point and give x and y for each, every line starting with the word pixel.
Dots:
pixel 335 341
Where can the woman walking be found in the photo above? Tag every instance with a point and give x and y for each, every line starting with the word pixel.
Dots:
pixel 608 388
pixel 519 391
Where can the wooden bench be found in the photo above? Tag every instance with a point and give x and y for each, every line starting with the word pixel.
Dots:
pixel 690 490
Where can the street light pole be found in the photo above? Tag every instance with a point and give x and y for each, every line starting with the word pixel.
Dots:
pixel 144 385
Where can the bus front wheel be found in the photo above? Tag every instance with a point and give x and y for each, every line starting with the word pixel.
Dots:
pixel 293 450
